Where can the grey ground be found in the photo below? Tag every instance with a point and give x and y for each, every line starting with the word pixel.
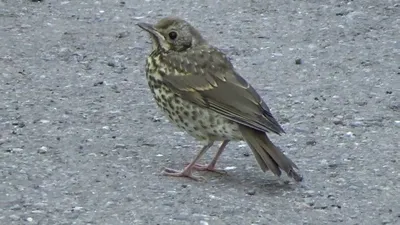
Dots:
pixel 82 142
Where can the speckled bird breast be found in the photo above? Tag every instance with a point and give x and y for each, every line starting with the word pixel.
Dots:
pixel 199 122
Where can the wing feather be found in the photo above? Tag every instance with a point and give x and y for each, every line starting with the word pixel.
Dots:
pixel 208 79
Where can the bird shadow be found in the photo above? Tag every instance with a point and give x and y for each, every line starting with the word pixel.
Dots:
pixel 250 181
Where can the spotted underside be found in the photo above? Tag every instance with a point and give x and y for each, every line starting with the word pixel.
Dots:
pixel 205 83
pixel 201 123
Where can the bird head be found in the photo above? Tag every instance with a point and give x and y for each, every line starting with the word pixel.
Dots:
pixel 173 34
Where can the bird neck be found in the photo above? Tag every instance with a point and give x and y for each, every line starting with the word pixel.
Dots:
pixel 156 51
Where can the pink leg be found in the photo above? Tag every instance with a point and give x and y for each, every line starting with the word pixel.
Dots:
pixel 187 172
pixel 211 166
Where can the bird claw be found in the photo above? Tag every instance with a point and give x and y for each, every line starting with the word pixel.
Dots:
pixel 182 173
pixel 200 167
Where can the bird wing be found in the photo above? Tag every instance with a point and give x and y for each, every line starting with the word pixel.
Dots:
pixel 206 77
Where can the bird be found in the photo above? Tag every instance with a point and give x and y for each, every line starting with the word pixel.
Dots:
pixel 199 90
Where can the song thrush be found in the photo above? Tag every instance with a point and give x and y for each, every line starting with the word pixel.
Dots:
pixel 200 91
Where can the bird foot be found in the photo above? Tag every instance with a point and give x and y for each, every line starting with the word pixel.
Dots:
pixel 182 173
pixel 210 168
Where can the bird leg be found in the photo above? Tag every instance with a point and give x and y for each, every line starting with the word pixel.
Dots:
pixel 211 165
pixel 187 172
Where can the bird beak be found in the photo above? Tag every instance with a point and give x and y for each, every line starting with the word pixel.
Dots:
pixel 150 28
pixel 147 27
pixel 156 36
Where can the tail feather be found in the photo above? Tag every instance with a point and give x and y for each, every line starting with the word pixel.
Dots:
pixel 269 156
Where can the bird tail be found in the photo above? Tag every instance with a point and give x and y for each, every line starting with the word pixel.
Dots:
pixel 269 156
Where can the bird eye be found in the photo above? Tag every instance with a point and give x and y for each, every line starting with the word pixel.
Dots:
pixel 172 35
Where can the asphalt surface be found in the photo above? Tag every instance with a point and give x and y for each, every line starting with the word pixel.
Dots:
pixel 82 142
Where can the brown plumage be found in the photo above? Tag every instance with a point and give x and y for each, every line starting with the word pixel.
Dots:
pixel 200 91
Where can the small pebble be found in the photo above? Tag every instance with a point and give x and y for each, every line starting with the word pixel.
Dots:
pixel 15 123
pixel 16 150
pixel 43 150
pixel 311 142
pixel 386 221
pixel 357 124
pixel 310 115
pixel 319 205
pixel 309 193
pixel 298 61
pixel 338 121
pixel 38 211
pixel 202 222
pixel 361 103
pixel 251 192
pixel 302 130
pixel 156 119
pixel 130 198
pixel 242 144
pixel 395 106
pixel 333 165
pixel 120 146
pixel 115 88
pixel 16 207
pixel 353 187
pixel 77 208
pixel 123 34
pixel 230 168
pixel 349 134
pixel 14 217
pixel 98 83
pixel 309 201
pixel 112 64
pixel 324 162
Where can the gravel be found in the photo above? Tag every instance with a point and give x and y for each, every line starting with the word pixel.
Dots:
pixel 82 142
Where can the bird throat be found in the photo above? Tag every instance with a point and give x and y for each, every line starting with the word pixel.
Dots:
pixel 159 45
pixel 155 43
